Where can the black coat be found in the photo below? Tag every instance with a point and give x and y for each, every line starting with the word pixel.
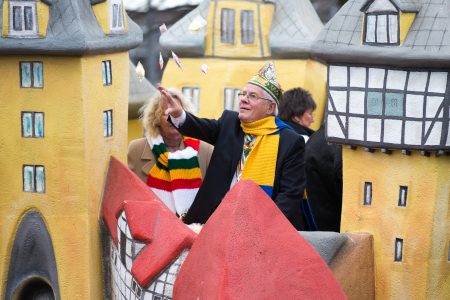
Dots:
pixel 324 181
pixel 300 129
pixel 228 139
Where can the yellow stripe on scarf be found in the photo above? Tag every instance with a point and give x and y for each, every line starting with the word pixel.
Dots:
pixel 185 173
pixel 160 174
pixel 261 162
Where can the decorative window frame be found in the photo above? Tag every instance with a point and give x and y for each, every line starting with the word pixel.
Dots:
pixel 398 250
pixel 247 27
pixel 368 192
pixel 402 196
pixel 108 123
pixel 116 20
pixel 376 33
pixel 227 25
pixel 192 94
pixel 22 32
pixel 34 186
pixel 433 123
pixel 34 131
pixel 107 72
pixel 231 99
pixel 36 74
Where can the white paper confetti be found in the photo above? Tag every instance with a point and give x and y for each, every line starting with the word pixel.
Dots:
pixel 161 61
pixel 140 71
pixel 204 68
pixel 197 24
pixel 163 28
pixel 177 60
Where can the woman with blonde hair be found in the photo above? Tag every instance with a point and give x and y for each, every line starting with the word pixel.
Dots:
pixel 171 165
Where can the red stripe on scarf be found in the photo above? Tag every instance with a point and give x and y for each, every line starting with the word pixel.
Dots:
pixel 174 184
pixel 190 142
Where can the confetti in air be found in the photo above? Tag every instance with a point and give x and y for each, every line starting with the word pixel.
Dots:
pixel 140 71
pixel 161 61
pixel 163 28
pixel 204 68
pixel 197 24
pixel 177 60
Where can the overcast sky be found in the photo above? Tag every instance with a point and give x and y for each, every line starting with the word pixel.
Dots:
pixel 143 5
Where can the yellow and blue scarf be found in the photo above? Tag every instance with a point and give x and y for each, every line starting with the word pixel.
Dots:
pixel 258 161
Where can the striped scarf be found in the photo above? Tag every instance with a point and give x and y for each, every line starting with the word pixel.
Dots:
pixel 175 177
pixel 261 161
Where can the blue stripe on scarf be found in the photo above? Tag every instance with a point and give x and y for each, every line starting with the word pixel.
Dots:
pixel 281 125
pixel 267 189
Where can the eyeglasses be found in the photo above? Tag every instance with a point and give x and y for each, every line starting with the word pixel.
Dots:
pixel 251 96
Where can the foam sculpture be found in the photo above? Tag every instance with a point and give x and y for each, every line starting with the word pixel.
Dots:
pixel 64 67
pixel 237 39
pixel 388 103
pixel 249 250
pixel 146 243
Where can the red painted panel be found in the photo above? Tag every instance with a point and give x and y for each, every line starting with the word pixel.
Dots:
pixel 249 250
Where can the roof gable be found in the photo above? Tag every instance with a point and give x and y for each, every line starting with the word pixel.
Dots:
pixel 378 5
pixel 72 30
pixel 295 25
pixel 385 5
pixel 426 44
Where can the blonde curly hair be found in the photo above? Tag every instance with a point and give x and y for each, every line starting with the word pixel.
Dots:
pixel 152 111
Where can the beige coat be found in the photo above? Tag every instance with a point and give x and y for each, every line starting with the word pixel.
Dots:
pixel 141 158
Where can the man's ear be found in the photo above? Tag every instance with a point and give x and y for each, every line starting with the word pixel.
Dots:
pixel 271 109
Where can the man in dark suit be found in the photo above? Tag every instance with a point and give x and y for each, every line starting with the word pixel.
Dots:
pixel 252 144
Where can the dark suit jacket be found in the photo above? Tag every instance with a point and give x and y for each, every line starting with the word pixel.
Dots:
pixel 324 181
pixel 228 138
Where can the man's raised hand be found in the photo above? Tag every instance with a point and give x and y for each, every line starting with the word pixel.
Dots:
pixel 174 107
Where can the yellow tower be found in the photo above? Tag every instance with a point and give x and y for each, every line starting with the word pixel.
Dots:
pixel 234 39
pixel 64 67
pixel 388 102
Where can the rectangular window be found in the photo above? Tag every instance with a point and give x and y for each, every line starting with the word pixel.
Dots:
pixel 403 193
pixel 448 251
pixel 227 26
pixel 381 28
pixel 23 18
pixel 247 30
pixel 32 124
pixel 33 178
pixel 371 21
pixel 393 28
pixel 374 103
pixel 17 18
pixel 107 123
pixel 116 12
pixel 368 193
pixel 393 104
pixel 31 74
pixel 192 94
pixel 106 72
pixel 231 99
pixel 398 250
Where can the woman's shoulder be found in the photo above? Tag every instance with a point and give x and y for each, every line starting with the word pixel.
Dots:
pixel 204 146
pixel 137 144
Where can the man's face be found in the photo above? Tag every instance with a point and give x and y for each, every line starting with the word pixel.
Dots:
pixel 251 110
